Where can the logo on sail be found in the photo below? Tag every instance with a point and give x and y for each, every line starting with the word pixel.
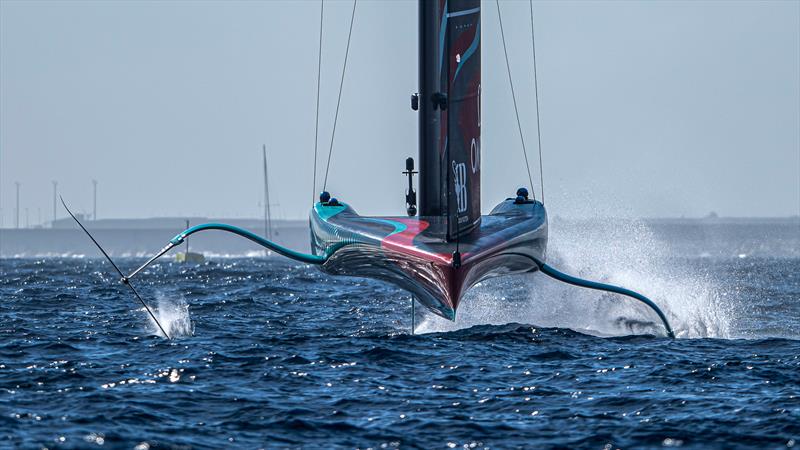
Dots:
pixel 460 180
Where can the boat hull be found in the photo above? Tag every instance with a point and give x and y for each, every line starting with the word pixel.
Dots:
pixel 412 253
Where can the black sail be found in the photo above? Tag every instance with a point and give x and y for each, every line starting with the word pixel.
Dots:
pixel 450 83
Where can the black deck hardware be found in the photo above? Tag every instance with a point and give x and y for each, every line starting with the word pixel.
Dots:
pixel 411 194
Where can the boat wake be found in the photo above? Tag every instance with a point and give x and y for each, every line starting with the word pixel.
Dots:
pixel 620 253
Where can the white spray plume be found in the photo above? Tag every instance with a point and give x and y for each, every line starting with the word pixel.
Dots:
pixel 618 252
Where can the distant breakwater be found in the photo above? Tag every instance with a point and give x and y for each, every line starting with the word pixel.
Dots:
pixel 123 242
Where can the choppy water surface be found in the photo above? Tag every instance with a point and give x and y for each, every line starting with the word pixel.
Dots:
pixel 273 353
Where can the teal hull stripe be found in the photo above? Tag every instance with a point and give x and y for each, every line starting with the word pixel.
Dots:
pixel 326 212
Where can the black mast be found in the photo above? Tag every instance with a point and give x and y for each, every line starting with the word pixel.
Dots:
pixel 449 112
pixel 432 200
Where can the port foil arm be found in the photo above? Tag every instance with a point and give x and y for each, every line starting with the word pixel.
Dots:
pixel 277 248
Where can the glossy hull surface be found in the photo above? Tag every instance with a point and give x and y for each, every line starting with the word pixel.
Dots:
pixel 411 253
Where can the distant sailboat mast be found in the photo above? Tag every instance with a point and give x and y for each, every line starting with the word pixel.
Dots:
pixel 187 241
pixel 267 212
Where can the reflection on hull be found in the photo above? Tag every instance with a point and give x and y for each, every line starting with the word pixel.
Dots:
pixel 411 253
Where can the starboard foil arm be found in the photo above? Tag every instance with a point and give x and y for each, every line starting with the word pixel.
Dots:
pixel 575 281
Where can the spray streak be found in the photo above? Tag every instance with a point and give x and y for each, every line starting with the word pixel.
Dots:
pixel 173 314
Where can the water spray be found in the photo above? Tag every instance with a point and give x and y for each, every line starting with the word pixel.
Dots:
pixel 569 279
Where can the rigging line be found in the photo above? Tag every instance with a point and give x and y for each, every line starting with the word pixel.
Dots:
pixel 536 95
pixel 316 118
pixel 514 98
pixel 339 100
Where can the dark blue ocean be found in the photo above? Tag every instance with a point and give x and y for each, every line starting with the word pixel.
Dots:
pixel 271 353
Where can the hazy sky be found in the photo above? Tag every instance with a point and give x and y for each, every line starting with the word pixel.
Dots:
pixel 648 108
